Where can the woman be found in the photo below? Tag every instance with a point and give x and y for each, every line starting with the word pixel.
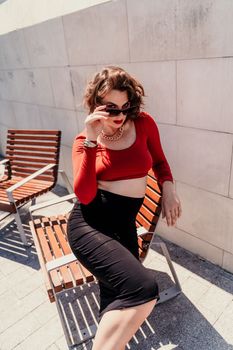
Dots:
pixel 111 159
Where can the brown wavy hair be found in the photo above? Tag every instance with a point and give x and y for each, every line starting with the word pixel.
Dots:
pixel 113 77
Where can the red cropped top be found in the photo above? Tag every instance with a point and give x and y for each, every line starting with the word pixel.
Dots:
pixel 101 163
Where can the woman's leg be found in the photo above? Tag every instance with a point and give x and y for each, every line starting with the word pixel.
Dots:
pixel 117 327
pixel 132 287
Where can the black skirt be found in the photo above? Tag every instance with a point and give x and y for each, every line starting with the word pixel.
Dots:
pixel 103 237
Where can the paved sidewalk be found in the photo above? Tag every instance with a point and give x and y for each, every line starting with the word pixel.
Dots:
pixel 201 318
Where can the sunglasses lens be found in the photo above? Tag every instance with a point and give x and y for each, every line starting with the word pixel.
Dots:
pixel 128 110
pixel 113 112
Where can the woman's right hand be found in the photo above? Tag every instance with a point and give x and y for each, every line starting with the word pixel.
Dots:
pixel 94 122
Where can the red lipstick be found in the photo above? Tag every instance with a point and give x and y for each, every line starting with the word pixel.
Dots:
pixel 118 121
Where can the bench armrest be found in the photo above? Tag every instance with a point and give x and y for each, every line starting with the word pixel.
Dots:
pixel 52 202
pixel 27 179
pixel 4 161
pixel 59 262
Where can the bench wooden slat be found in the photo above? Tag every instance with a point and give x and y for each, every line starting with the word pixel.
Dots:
pixel 48 257
pixel 25 154
pixel 143 222
pixel 147 213
pixel 57 253
pixel 88 275
pixel 45 178
pixel 153 195
pixel 51 144
pixel 33 149
pixel 32 137
pixel 74 268
pixel 151 205
pixel 34 132
pixel 43 161
pixel 152 182
pixel 63 226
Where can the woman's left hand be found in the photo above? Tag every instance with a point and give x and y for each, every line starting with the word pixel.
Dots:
pixel 171 206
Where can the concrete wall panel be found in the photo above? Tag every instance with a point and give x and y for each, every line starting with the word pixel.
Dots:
pixel 4 86
pixel 228 261
pixel 66 161
pixel 152 30
pixel 17 86
pixel 3 135
pixel 204 28
pixel 46 44
pixel 61 119
pixel 23 13
pixel 81 116
pixel 177 29
pixel 231 180
pixel 206 216
pixel 190 242
pixel 80 76
pixel 97 34
pixel 7 116
pixel 27 116
pixel 62 87
pixel 205 94
pixel 200 158
pixel 30 86
pixel 13 51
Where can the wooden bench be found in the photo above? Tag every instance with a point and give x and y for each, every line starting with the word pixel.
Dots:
pixel 62 271
pixel 31 169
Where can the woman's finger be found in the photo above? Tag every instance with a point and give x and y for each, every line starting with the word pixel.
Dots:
pixel 163 211
pixel 173 216
pixel 100 113
pixel 168 217
pixel 93 118
pixel 179 210
pixel 100 107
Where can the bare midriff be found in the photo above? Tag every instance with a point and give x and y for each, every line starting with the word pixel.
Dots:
pixel 130 187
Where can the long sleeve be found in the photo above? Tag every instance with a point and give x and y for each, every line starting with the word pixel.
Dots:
pixel 160 165
pixel 84 170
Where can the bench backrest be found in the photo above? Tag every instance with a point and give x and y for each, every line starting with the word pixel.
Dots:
pixel 149 212
pixel 30 150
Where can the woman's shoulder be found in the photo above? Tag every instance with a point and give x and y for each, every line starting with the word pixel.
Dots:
pixel 146 119
pixel 78 141
pixel 81 136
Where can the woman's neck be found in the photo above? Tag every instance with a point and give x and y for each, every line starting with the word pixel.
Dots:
pixel 108 130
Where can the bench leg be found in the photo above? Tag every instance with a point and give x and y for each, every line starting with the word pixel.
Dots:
pixel 174 290
pixel 20 228
pixel 33 201
pixel 84 334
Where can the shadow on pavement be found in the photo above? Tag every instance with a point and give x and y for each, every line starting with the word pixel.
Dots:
pixel 176 324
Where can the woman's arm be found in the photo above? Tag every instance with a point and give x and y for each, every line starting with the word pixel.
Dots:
pixel 84 170
pixel 171 206
pixel 160 164
pixel 84 158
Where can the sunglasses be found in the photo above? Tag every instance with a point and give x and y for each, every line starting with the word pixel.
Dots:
pixel 115 111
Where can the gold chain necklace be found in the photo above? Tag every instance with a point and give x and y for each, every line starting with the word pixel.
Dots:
pixel 113 137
